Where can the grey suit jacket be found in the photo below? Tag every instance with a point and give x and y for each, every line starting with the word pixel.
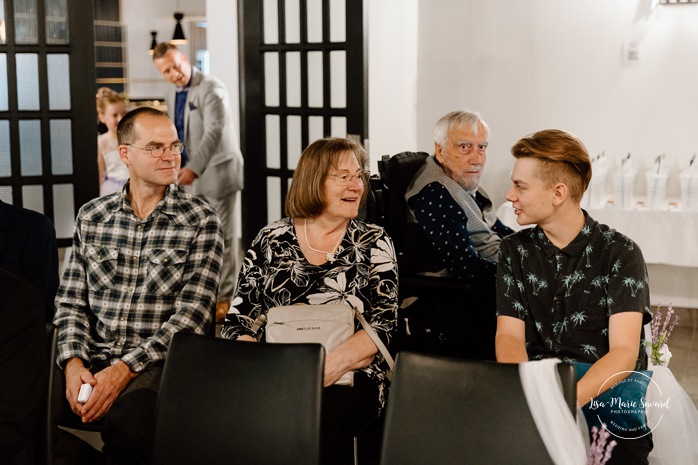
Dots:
pixel 209 133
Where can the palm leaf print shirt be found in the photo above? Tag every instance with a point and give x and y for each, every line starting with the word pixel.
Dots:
pixel 566 296
pixel 275 272
pixel 131 284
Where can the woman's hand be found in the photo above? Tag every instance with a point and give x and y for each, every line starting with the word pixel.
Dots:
pixel 333 369
pixel 357 352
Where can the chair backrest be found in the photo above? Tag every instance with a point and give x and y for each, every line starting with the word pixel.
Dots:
pixel 453 411
pixel 415 252
pixel 397 173
pixel 223 402
pixel 44 436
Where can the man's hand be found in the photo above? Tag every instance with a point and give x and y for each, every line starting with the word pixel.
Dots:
pixel 186 177
pixel 108 385
pixel 75 375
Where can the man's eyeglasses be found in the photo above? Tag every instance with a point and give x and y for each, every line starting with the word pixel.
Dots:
pixel 344 178
pixel 158 151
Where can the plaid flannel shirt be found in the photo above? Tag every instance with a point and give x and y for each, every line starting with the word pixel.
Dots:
pixel 131 284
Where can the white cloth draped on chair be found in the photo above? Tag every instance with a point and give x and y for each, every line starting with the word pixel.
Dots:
pixel 675 435
pixel 675 426
pixel 555 423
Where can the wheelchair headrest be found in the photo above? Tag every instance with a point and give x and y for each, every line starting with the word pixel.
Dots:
pixel 400 169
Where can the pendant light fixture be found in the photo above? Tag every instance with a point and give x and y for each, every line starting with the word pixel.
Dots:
pixel 153 42
pixel 178 36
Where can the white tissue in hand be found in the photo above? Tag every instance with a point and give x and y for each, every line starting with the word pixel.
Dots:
pixel 84 394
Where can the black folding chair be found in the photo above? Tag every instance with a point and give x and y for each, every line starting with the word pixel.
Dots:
pixel 223 402
pixel 453 411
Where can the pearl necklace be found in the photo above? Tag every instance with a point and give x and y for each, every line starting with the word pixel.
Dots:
pixel 330 256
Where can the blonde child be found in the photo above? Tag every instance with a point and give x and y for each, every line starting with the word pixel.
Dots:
pixel 113 174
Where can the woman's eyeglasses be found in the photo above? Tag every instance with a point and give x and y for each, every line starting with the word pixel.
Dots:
pixel 344 178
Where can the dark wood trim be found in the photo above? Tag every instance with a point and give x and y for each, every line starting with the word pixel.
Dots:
pixel 357 70
pixel 82 114
pixel 252 137
pixel 252 99
pixel 82 101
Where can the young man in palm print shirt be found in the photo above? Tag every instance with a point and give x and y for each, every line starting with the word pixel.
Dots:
pixel 569 287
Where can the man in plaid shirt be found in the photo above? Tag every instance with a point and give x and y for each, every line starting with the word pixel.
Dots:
pixel 145 264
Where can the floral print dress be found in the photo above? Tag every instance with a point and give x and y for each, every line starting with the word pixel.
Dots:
pixel 275 272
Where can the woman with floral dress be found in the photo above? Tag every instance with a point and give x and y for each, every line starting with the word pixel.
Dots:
pixel 323 254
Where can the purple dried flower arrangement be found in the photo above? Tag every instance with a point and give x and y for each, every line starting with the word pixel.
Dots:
pixel 662 326
pixel 601 448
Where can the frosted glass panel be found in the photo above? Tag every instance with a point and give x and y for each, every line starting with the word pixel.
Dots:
pixel 5 160
pixel 30 147
pixel 26 31
pixel 273 199
pixel 58 67
pixel 271 79
pixel 27 81
pixel 338 21
pixel 33 198
pixel 57 22
pixel 3 82
pixel 315 79
pixel 273 138
pixel 314 14
pixel 293 21
pixel 293 79
pixel 338 79
pixel 271 21
pixel 293 141
pixel 61 147
pixel 2 22
pixel 6 194
pixel 315 128
pixel 63 210
pixel 338 126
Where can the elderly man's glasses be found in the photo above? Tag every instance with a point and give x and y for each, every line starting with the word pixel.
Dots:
pixel 158 151
pixel 344 178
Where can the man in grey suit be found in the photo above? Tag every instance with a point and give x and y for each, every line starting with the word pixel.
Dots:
pixel 201 110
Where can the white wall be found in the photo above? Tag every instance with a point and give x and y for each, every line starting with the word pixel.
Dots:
pixel 222 40
pixel 392 77
pixel 527 65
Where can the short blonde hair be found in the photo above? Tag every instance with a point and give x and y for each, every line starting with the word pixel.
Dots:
pixel 306 196
pixel 106 97
pixel 564 158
